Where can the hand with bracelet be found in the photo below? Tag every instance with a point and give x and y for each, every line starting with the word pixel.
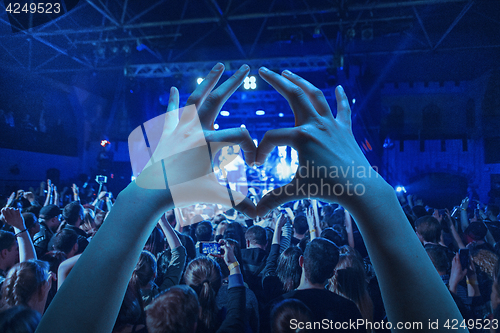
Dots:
pixel 14 218
pixel 229 258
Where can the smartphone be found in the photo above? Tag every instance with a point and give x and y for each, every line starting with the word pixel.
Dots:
pixel 101 179
pixel 210 248
pixel 464 258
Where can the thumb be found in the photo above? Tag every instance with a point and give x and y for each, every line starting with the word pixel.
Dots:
pixel 279 196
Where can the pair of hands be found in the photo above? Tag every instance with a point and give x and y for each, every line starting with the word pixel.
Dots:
pixel 180 152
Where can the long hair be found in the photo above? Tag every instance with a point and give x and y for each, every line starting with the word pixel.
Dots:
pixel 349 281
pixel 24 281
pixel 145 270
pixel 204 276
pixel 289 270
pixel 283 313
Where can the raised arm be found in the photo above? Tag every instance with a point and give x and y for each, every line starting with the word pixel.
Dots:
pixel 100 277
pixel 14 218
pixel 349 229
pixel 411 288
pixel 173 273
pixel 464 219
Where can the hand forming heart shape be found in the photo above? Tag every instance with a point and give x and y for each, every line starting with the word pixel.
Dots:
pixel 177 154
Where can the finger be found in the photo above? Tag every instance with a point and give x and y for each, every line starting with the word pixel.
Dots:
pixel 343 108
pixel 246 206
pixel 273 138
pixel 210 109
pixel 204 88
pixel 278 197
pixel 233 136
pixel 172 115
pixel 316 96
pixel 296 97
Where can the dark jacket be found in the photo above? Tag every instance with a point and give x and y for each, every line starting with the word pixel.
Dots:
pixel 254 262
pixel 82 238
pixel 41 240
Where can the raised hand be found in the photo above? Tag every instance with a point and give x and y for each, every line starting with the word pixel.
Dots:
pixel 465 203
pixel 331 164
pixel 11 198
pixel 181 151
pixel 29 196
pixel 14 218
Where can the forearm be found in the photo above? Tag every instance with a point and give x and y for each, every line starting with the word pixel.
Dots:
pixel 47 199
pixel 109 204
pixel 99 279
pixel 348 229
pixel 456 237
pixel 175 267
pixel 399 259
pixel 464 219
pixel 172 238
pixel 276 236
pixel 26 248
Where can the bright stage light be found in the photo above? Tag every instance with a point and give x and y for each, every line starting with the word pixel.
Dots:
pixel 281 115
pixel 260 112
pixel 400 189
pixel 224 113
pixel 250 83
pixel 216 126
pixel 243 126
pixel 199 80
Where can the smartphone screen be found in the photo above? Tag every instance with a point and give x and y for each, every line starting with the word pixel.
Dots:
pixel 209 248
pixel 464 258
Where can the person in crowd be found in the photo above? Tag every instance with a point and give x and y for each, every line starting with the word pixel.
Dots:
pixel 9 252
pixel 65 241
pixel 282 271
pixel 88 224
pixel 252 323
pixel 72 218
pixel 144 275
pixel 31 223
pixel 290 316
pixel 428 230
pixel 156 241
pixel 318 263
pixel 171 262
pixel 413 292
pixel 349 280
pixel 186 240
pixel 254 258
pixel 300 228
pixel 14 247
pixel 49 222
pixel 27 284
pixel 204 276
pixel 235 231
pixel 203 232
pixel 176 310
pixel 19 319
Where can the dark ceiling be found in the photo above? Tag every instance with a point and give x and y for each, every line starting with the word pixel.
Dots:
pixel 415 40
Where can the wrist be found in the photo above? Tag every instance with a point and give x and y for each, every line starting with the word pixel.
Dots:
pixel 233 267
